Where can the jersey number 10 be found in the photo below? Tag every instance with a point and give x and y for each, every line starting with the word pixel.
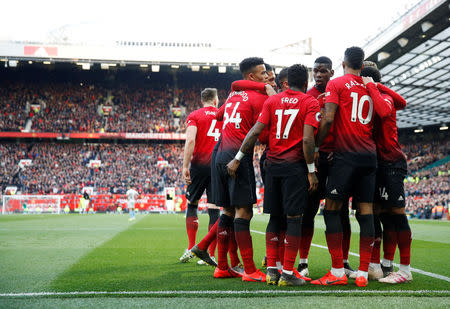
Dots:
pixel 357 108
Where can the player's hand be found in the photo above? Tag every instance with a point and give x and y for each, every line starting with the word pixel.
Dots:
pixel 232 167
pixel 187 175
pixel 313 182
pixel 321 97
pixel 367 80
pixel 269 90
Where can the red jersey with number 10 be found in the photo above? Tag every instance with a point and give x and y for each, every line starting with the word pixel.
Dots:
pixel 285 114
pixel 353 122
pixel 239 112
pixel 208 133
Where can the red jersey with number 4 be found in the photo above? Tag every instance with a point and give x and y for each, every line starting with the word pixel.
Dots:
pixel 353 122
pixel 328 142
pixel 208 133
pixel 285 114
pixel 239 112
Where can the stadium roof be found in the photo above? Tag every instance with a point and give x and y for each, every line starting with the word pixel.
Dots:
pixel 413 55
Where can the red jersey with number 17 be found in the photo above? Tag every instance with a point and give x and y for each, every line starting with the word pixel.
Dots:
pixel 208 133
pixel 285 114
pixel 353 122
pixel 239 112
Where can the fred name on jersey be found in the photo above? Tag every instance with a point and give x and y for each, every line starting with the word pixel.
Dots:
pixel 289 100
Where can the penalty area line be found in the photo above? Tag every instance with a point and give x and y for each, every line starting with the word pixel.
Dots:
pixel 225 292
pixel 416 270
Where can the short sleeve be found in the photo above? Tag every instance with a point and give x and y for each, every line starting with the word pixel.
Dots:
pixel 312 116
pixel 191 120
pixel 331 93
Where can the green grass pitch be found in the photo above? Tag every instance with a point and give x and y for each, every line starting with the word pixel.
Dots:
pixel 123 264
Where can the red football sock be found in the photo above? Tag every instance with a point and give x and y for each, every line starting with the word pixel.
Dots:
pixel 191 228
pixel 281 248
pixel 403 239
pixel 212 246
pixel 346 235
pixel 366 240
pixel 389 236
pixel 223 237
pixel 209 238
pixel 233 249
pixel 333 235
pixel 272 249
pixel 375 258
pixel 244 241
pixel 305 241
pixel 292 242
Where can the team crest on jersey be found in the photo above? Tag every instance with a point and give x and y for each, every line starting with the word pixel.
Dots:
pixel 318 116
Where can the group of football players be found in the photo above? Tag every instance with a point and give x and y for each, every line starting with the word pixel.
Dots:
pixel 336 141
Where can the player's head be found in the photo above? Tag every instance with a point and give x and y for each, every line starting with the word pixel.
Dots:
pixel 353 58
pixel 322 72
pixel 298 77
pixel 253 68
pixel 371 72
pixel 282 80
pixel 368 63
pixel 209 96
pixel 270 76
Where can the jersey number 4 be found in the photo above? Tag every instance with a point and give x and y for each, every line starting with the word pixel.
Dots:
pixel 234 118
pixel 213 131
pixel 357 108
pixel 292 113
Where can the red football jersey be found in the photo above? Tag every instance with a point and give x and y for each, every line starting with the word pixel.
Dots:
pixel 239 112
pixel 353 122
pixel 285 114
pixel 328 142
pixel 385 134
pixel 208 133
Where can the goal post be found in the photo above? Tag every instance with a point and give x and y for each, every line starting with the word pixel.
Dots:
pixel 32 204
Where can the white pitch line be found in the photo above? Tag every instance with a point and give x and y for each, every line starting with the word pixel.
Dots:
pixel 416 270
pixel 219 292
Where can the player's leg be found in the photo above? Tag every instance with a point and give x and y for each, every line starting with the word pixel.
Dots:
pixel 307 233
pixel 214 213
pixel 375 271
pixel 346 238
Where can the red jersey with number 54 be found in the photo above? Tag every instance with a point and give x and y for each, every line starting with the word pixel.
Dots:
pixel 239 112
pixel 285 114
pixel 208 133
pixel 353 122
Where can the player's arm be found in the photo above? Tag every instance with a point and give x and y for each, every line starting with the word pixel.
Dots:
pixel 191 134
pixel 399 101
pixel 220 112
pixel 382 107
pixel 308 152
pixel 326 122
pixel 240 85
pixel 246 147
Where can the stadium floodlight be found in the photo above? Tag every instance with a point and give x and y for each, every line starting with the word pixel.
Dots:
pixel 383 56
pixel 443 127
pixel 206 67
pixel 143 65
pixel 155 68
pixel 12 63
pixel 418 130
pixel 104 66
pixel 175 66
pixel 402 42
pixel 84 65
pixel 30 62
pixel 426 25
pixel 222 69
pixel 195 68
pixel 46 62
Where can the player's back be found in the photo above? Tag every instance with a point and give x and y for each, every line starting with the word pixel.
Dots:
pixel 286 114
pixel 208 133
pixel 353 122
pixel 240 112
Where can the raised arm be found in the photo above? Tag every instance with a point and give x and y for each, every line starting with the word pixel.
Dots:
pixel 399 101
pixel 382 107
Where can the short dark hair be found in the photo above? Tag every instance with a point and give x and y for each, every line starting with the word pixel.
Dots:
pixel 248 64
pixel 371 72
pixel 268 67
pixel 368 63
pixel 354 57
pixel 281 77
pixel 297 75
pixel 208 94
pixel 325 60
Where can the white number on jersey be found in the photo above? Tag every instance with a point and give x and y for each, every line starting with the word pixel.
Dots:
pixel 292 114
pixel 357 108
pixel 234 118
pixel 213 131
pixel 383 193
